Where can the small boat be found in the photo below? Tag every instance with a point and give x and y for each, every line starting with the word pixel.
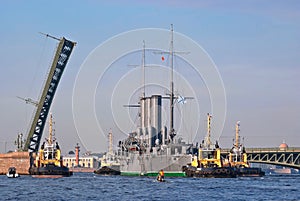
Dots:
pixel 160 179
pixel 48 162
pixel 208 163
pixel 108 170
pixel 161 176
pixel 12 173
pixel 237 158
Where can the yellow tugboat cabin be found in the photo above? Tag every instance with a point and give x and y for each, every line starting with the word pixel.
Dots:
pixel 237 156
pixel 49 152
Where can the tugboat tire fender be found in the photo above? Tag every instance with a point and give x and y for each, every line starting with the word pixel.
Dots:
pixel 223 171
pixel 218 171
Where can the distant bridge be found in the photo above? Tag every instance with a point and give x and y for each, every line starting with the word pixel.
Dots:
pixel 288 157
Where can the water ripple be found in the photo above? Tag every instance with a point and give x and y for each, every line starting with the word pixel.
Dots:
pixel 87 186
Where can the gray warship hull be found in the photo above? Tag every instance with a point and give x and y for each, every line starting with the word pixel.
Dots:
pixel 149 164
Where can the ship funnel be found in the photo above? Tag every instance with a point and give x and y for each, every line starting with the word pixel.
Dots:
pixel 151 118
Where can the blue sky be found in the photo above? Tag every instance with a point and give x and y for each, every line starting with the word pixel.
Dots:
pixel 254 44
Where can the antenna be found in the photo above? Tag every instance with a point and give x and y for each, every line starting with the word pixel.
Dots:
pixel 47 35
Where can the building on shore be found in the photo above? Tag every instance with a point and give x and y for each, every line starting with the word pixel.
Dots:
pixel 85 161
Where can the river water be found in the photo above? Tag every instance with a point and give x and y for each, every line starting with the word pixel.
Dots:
pixel 88 186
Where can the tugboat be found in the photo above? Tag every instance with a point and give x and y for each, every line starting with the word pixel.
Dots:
pixel 48 163
pixel 12 173
pixel 208 163
pixel 237 158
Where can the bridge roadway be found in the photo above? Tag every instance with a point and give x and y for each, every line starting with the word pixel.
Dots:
pixel 288 157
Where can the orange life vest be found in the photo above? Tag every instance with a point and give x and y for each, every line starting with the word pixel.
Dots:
pixel 162 173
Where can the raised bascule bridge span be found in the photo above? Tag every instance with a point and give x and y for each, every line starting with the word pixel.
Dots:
pixel 288 157
pixel 24 158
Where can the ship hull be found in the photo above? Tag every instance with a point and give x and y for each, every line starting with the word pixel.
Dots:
pixel 108 170
pixel 250 172
pixel 50 171
pixel 154 174
pixel 149 165
pixel 12 175
pixel 214 172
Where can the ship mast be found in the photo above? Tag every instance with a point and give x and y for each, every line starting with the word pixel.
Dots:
pixel 50 139
pixel 172 130
pixel 237 129
pixel 142 99
pixel 143 66
pixel 110 140
pixel 207 140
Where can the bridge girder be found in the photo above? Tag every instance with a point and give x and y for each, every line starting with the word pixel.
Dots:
pixel 289 157
pixel 276 163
